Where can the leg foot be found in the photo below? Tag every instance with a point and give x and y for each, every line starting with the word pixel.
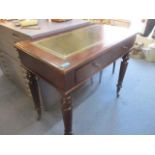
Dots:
pixel 122 72
pixel 66 107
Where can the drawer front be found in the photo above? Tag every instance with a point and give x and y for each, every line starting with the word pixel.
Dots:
pixel 6 32
pixel 13 65
pixel 15 72
pixel 9 58
pixel 10 50
pixel 104 60
pixel 9 34
pixel 3 64
pixel 43 70
pixel 8 39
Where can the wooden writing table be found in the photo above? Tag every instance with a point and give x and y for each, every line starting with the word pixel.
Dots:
pixel 68 59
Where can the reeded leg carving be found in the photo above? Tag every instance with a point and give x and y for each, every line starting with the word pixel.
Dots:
pixel 122 72
pixel 66 107
pixel 35 92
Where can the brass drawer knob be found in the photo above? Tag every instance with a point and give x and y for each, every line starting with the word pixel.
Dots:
pixel 97 65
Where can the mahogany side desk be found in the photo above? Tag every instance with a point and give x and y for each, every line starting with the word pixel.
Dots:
pixel 68 59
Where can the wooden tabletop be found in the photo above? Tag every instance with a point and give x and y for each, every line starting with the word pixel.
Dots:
pixel 104 38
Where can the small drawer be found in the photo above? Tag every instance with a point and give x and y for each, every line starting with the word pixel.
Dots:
pixel 4 68
pixel 16 36
pixel 6 33
pixel 12 64
pixel 103 60
pixel 8 41
pixel 98 64
pixel 9 34
pixel 10 50
pixel 16 72
pixel 86 71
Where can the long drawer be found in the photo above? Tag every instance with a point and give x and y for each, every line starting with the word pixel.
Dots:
pixel 102 61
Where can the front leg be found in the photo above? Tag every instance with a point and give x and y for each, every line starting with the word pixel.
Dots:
pixel 66 107
pixel 122 72
pixel 33 84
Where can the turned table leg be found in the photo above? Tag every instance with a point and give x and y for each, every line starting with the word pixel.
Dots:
pixel 35 93
pixel 100 76
pixel 122 71
pixel 66 107
pixel 114 66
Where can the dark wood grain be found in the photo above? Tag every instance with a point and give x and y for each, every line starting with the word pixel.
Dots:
pixel 66 108
pixel 116 43
pixel 122 71
pixel 82 57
